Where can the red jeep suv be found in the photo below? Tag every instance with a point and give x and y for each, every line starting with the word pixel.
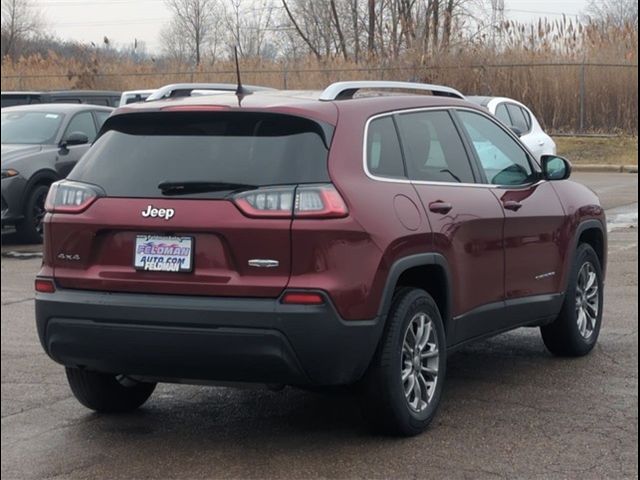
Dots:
pixel 304 239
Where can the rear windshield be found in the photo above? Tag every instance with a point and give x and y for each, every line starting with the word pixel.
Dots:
pixel 136 152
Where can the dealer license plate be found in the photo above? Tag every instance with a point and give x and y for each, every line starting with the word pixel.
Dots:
pixel 157 253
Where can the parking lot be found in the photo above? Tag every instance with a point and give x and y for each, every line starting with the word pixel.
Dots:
pixel 510 409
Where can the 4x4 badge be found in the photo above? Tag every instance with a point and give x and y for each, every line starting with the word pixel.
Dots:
pixel 152 212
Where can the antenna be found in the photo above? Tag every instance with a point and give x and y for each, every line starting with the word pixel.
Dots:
pixel 240 91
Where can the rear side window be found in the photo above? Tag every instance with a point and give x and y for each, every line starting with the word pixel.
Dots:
pixel 384 157
pixel 139 151
pixel 519 120
pixel 433 148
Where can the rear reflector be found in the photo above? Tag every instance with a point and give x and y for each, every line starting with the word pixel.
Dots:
pixel 302 298
pixel 45 286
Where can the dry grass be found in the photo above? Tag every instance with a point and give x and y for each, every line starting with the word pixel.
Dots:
pixel 539 65
pixel 619 150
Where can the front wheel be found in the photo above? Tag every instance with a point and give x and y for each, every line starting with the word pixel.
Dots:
pixel 30 228
pixel 575 332
pixel 107 393
pixel 403 386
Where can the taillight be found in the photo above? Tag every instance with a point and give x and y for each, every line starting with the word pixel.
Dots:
pixel 319 201
pixel 304 201
pixel 67 196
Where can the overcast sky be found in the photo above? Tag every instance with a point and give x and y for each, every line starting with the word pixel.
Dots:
pixel 122 21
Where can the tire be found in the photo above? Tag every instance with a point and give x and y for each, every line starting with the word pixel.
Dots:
pixel 384 401
pixel 105 393
pixel 30 227
pixel 575 332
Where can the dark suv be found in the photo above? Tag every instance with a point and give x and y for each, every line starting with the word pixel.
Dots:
pixel 286 239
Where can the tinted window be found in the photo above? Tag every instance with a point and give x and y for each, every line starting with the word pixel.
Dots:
pixel 66 100
pixel 433 148
pixel 503 160
pixel 30 127
pixel 101 117
pixel 139 151
pixel 503 115
pixel 518 119
pixel 82 122
pixel 384 157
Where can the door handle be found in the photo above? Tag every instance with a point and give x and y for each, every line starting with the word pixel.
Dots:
pixel 512 205
pixel 440 207
pixel 541 142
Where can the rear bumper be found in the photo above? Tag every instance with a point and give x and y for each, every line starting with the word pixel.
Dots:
pixel 204 338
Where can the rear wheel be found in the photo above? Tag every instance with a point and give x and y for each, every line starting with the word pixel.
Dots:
pixel 575 332
pixel 404 383
pixel 107 393
pixel 30 228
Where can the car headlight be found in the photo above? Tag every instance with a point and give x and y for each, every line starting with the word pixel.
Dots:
pixel 9 172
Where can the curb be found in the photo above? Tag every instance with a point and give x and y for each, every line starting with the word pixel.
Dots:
pixel 605 168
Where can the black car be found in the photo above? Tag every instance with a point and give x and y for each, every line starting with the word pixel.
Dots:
pixel 105 98
pixel 41 144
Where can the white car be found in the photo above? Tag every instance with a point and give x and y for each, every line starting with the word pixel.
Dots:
pixel 521 120
pixel 133 96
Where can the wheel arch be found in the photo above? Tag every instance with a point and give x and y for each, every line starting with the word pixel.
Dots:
pixel 42 177
pixel 429 271
pixel 593 233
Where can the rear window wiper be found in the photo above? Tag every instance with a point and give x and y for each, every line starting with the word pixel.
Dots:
pixel 197 186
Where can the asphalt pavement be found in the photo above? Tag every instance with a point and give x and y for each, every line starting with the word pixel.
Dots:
pixel 510 409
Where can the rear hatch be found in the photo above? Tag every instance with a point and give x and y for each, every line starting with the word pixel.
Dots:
pixel 193 203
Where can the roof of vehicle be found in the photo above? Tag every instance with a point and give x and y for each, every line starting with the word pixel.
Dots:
pixel 295 102
pixel 486 100
pixel 65 92
pixel 57 107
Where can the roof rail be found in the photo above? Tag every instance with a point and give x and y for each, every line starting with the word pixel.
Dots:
pixel 185 89
pixel 345 90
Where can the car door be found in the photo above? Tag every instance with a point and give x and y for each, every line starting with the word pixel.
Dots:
pixel 69 155
pixel 466 218
pixel 534 216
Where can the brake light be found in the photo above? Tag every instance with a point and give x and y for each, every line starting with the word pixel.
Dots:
pixel 44 285
pixel 302 298
pixel 305 201
pixel 66 196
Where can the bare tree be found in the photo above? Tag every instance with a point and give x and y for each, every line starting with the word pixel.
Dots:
pixel 195 21
pixel 19 22
pixel 619 12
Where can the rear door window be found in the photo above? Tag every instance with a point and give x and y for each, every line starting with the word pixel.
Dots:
pixel 138 151
pixel 503 114
pixel 384 157
pixel 433 148
pixel 101 117
pixel 518 118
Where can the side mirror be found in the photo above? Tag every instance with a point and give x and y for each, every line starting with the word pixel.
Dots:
pixel 555 168
pixel 517 131
pixel 75 138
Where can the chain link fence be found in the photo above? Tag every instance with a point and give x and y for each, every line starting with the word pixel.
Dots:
pixel 566 97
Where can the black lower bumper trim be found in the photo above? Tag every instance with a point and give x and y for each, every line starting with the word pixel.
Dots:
pixel 204 338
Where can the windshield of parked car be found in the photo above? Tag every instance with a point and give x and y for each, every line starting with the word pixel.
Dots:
pixel 31 128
